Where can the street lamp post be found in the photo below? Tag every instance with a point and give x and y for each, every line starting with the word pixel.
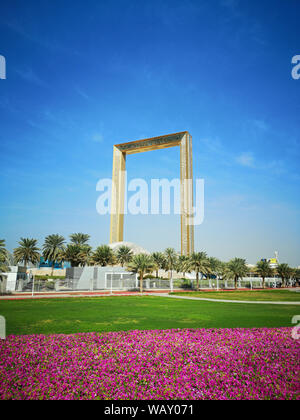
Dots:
pixel 111 281
pixel 32 277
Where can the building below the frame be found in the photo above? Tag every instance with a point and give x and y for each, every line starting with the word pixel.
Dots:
pixel 12 278
pixel 98 278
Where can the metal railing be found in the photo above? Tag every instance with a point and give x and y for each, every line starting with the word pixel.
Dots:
pixel 131 282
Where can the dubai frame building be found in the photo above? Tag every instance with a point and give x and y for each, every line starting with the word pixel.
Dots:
pixel 184 140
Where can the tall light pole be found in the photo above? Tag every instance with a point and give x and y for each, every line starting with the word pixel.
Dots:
pixel 32 277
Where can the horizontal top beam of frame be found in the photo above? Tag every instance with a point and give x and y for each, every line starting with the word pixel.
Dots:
pixel 153 143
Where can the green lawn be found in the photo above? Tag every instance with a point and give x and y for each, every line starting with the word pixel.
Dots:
pixel 261 295
pixel 74 315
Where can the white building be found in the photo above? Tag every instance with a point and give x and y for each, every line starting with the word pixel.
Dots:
pixel 12 278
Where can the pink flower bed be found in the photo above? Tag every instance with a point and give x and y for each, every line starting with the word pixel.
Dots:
pixel 171 364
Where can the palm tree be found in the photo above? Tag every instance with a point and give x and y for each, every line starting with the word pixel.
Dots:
pixel 53 249
pixel 103 256
pixel 71 253
pixel 236 269
pixel 10 258
pixel 182 264
pixel 124 255
pixel 85 254
pixel 2 247
pixel 284 271
pixel 199 263
pixel 215 266
pixel 141 264
pixel 264 270
pixel 79 238
pixel 28 252
pixel 77 255
pixel 297 274
pixel 159 261
pixel 3 259
pixel 3 265
pixel 170 258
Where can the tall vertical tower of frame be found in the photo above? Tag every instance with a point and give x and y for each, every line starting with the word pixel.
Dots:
pixel 184 140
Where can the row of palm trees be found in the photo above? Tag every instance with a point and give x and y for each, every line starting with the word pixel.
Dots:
pixel 3 257
pixel 79 253
pixel 211 267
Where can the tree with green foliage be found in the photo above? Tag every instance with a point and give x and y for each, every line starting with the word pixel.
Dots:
pixel 182 264
pixel 53 249
pixel 159 261
pixel 199 263
pixel 71 254
pixel 296 274
pixel 79 238
pixel 218 268
pixel 222 271
pixel 10 258
pixel 85 254
pixel 27 251
pixel 3 265
pixel 103 256
pixel 236 269
pixel 3 261
pixel 77 255
pixel 170 260
pixel 2 248
pixel 124 255
pixel 285 272
pixel 264 269
pixel 141 264
pixel 215 266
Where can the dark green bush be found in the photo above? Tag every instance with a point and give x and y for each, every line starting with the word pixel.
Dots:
pixel 46 277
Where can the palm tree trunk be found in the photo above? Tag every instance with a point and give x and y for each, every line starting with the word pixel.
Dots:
pixel 157 274
pixel 235 283
pixel 52 268
pixel 197 278
pixel 263 282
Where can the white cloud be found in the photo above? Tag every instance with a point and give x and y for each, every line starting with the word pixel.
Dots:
pixel 261 124
pixel 246 159
pixel 231 4
pixel 97 138
pixel 81 93
pixel 31 77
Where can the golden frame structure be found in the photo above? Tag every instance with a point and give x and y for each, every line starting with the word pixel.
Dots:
pixel 182 139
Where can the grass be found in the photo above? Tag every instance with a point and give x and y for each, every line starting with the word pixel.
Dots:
pixel 260 295
pixel 100 314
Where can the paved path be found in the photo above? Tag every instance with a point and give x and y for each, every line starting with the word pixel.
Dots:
pixel 259 302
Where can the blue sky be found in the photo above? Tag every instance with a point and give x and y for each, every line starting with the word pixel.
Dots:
pixel 84 75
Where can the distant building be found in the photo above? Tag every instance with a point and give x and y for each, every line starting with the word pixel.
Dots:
pixel 13 277
pixel 57 266
pixel 274 262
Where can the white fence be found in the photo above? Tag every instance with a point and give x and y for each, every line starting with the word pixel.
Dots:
pixel 245 283
pixel 104 278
